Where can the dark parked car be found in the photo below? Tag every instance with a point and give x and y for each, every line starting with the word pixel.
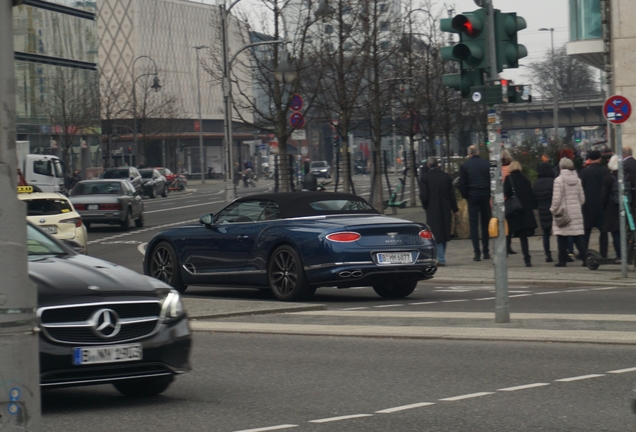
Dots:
pixel 320 169
pixel 108 202
pixel 126 173
pixel 153 183
pixel 102 323
pixel 293 243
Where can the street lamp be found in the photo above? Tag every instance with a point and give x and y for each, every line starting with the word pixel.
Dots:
pixel 201 158
pixel 555 102
pixel 155 86
pixel 285 72
pixel 230 188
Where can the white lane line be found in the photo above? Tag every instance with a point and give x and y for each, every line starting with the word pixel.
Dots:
pixel 523 387
pixel 158 227
pixel 355 308
pixel 454 301
pixel 466 396
pixel 515 292
pixel 184 207
pixel 404 407
pixel 577 290
pixel 485 298
pixel 142 248
pixel 391 305
pixel 519 295
pixel 452 290
pixel 548 292
pixel 189 201
pixel 602 289
pixel 279 427
pixel 422 303
pixel 331 419
pixel 620 371
pixel 582 377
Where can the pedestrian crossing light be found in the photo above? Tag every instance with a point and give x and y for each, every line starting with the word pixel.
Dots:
pixel 509 51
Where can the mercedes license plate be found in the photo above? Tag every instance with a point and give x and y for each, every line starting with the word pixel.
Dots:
pixel 49 229
pixel 395 258
pixel 92 207
pixel 107 354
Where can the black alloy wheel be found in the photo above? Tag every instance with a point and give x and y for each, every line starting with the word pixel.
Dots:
pixel 395 291
pixel 164 266
pixel 286 275
pixel 144 387
pixel 125 225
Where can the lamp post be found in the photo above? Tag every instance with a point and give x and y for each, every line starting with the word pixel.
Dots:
pixel 201 158
pixel 230 188
pixel 555 102
pixel 155 86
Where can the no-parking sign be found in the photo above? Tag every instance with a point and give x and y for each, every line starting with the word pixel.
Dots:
pixel 617 109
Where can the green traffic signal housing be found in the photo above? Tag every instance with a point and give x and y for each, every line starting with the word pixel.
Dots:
pixel 463 81
pixel 509 51
pixel 471 50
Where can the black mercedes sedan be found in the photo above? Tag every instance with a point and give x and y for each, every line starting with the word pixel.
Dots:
pixel 101 323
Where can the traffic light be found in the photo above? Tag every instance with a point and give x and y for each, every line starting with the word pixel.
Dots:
pixel 336 140
pixel 472 49
pixel 509 51
pixel 129 150
pixel 463 81
pixel 519 93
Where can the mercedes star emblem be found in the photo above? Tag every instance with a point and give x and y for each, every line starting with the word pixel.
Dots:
pixel 42 220
pixel 105 323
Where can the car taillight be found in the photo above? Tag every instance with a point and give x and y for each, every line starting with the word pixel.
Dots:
pixel 76 221
pixel 110 206
pixel 344 237
pixel 426 234
pixel 80 206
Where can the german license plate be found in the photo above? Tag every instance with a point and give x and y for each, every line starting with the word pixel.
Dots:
pixel 107 354
pixel 92 206
pixel 49 229
pixel 395 258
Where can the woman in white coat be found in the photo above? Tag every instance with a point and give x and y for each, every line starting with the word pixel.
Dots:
pixel 568 191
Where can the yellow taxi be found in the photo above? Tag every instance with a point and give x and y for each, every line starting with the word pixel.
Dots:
pixel 53 213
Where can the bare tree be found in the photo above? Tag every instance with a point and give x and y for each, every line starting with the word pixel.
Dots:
pixel 114 102
pixel 72 104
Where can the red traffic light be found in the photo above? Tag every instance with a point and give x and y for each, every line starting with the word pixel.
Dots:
pixel 467 26
pixel 129 149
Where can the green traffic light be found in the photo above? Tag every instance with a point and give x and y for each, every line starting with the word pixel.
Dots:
pixel 509 51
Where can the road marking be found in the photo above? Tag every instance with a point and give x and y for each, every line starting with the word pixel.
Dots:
pixel 355 308
pixel 452 290
pixel 466 396
pixel 523 387
pixel 485 298
pixel 548 292
pixel 331 419
pixel 404 407
pixel 582 377
pixel 577 290
pixel 158 227
pixel 390 305
pixel 184 207
pixel 454 301
pixel 142 248
pixel 603 289
pixel 620 371
pixel 423 303
pixel 519 295
pixel 285 426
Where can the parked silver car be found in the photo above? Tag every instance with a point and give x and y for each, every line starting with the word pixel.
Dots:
pixel 108 202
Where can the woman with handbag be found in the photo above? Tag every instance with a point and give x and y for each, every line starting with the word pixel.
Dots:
pixel 519 207
pixel 567 216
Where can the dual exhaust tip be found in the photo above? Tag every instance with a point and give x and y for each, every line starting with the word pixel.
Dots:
pixel 350 274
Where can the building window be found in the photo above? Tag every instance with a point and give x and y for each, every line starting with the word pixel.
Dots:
pixel 328 47
pixel 384 45
pixel 328 29
pixel 384 8
pixel 347 46
pixel 384 26
pixel 309 40
pixel 346 9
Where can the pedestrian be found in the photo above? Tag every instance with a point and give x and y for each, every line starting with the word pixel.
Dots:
pixel 474 185
pixel 506 159
pixel 522 224
pixel 629 163
pixel 438 199
pixel 568 193
pixel 210 172
pixel 609 202
pixel 592 182
pixel 542 189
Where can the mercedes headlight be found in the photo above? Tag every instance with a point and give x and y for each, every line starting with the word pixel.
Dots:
pixel 171 306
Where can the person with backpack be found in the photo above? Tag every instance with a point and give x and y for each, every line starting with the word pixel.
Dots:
pixel 609 202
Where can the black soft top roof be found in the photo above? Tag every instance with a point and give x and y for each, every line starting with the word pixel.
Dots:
pixel 297 204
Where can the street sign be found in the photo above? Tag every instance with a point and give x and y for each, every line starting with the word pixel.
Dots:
pixel 504 134
pixel 299 134
pixel 296 103
pixel 297 120
pixel 617 109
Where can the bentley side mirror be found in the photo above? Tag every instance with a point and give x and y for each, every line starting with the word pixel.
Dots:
pixel 206 219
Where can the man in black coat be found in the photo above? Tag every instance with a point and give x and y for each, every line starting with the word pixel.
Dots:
pixel 629 163
pixel 474 185
pixel 542 189
pixel 592 181
pixel 438 199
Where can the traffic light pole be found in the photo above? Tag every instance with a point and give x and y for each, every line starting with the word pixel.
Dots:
pixel 19 366
pixel 502 310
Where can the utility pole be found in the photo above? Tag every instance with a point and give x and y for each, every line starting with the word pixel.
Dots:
pixel 502 310
pixel 201 155
pixel 19 356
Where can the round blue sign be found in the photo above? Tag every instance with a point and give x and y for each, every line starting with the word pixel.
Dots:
pixel 296 103
pixel 297 120
pixel 617 109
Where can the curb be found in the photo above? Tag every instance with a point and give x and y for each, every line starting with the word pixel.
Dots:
pixel 534 282
pixel 259 312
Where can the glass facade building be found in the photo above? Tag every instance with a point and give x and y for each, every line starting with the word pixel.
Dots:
pixel 55 45
pixel 585 20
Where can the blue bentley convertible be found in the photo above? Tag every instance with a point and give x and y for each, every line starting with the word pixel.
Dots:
pixel 293 243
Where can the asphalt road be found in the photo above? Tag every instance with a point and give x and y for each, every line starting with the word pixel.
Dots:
pixel 265 382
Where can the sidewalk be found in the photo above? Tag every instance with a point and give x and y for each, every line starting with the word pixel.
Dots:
pixel 461 269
